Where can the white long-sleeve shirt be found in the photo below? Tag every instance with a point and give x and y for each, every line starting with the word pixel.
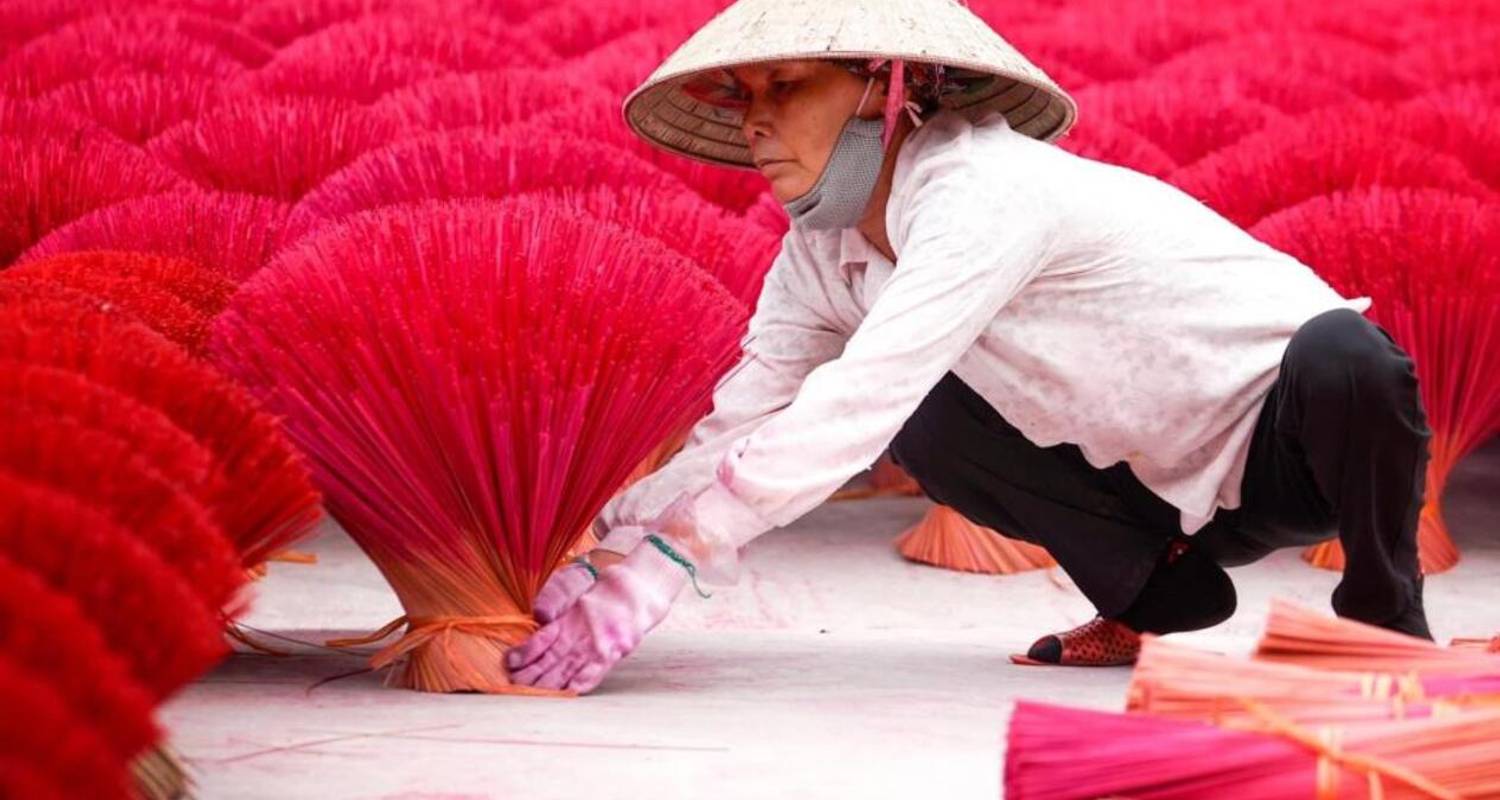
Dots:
pixel 1087 302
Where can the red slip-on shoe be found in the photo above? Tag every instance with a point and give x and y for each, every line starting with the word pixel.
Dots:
pixel 1097 643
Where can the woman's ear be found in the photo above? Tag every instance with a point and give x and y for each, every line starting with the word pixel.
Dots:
pixel 873 104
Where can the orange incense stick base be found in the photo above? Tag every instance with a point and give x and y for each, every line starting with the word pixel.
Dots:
pixel 945 538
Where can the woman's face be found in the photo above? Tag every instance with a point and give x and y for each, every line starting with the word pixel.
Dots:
pixel 796 111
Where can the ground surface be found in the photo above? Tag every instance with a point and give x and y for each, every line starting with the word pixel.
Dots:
pixel 834 670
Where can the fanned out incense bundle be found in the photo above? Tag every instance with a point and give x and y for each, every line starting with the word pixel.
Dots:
pixel 279 147
pixel 44 633
pixel 149 614
pixel 1298 159
pixel 492 99
pixel 735 252
pixel 73 54
pixel 1431 261
pixel 167 23
pixel 886 478
pixel 1297 635
pixel 1109 141
pixel 1186 122
pixel 137 106
pixel 232 234
pixel 945 538
pixel 1062 753
pixel 49 182
pixel 45 328
pixel 32 120
pixel 472 380
pixel 473 162
pixel 174 297
pixel 49 751
pixel 570 33
pixel 282 21
pixel 1175 681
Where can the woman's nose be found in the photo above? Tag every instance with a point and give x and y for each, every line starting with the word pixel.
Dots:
pixel 757 122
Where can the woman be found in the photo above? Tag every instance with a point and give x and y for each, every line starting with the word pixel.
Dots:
pixel 1072 352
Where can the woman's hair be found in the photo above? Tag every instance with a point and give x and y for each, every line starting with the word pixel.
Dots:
pixel 927 85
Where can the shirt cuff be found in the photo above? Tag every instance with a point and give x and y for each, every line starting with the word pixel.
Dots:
pixel 731 519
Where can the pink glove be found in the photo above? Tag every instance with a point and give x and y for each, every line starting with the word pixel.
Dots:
pixel 608 620
pixel 568 582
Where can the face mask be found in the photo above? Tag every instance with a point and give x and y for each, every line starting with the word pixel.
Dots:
pixel 839 197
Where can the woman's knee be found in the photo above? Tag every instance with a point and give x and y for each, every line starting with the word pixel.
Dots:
pixel 1341 355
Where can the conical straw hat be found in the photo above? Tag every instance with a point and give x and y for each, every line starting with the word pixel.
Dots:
pixel 750 31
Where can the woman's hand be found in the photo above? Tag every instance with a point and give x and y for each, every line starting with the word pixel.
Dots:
pixel 606 622
pixel 568 583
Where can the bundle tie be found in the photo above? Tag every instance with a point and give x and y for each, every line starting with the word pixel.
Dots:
pixel 422 630
pixel 1331 757
pixel 692 571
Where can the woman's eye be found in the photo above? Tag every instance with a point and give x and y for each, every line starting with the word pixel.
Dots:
pixel 780 86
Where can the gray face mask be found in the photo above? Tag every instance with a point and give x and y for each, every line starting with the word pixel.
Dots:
pixel 839 197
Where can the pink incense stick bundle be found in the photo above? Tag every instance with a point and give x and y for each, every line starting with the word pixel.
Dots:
pixel 230 234
pixel 45 634
pixel 1461 121
pixel 768 213
pixel 1455 53
pixel 137 106
pixel 625 62
pixel 1221 68
pixel 1175 681
pixel 571 30
pixel 473 162
pixel 75 53
pixel 49 182
pixel 1261 55
pixel 477 43
pixel 266 501
pixel 1296 160
pixel 275 147
pixel 1063 753
pixel 886 478
pixel 1110 141
pixel 166 23
pixel 737 253
pixel 1297 635
pixel 945 538
pixel 149 614
pixel 362 79
pixel 279 22
pixel 472 380
pixel 31 120
pixel 1431 261
pixel 175 297
pixel 492 99
pixel 1186 122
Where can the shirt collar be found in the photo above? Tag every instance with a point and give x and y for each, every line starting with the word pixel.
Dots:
pixel 854 251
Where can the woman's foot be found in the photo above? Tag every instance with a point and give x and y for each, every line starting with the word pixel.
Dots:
pixel 1097 643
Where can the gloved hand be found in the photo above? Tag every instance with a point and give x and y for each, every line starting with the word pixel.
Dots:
pixel 571 580
pixel 606 622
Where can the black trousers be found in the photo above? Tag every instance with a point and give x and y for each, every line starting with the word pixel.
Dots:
pixel 1340 449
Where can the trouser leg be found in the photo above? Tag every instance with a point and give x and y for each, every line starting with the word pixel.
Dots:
pixel 1106 530
pixel 1345 448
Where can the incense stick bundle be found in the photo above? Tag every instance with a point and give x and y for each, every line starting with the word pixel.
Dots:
pixel 136 106
pixel 945 538
pixel 1181 682
pixel 1057 752
pixel 74 53
pixel 50 182
pixel 149 614
pixel 886 478
pixel 267 500
pixel 278 147
pixel 1297 635
pixel 231 234
pixel 279 22
pixel 473 162
pixel 174 297
pixel 472 380
pixel 1428 258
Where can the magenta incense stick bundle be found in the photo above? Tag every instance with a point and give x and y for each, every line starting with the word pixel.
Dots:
pixel 472 380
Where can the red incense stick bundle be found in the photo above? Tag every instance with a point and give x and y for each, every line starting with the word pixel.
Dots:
pixel 473 163
pixel 45 634
pixel 1186 122
pixel 1057 752
pixel 246 442
pixel 231 234
pixel 59 754
pixel 1297 635
pixel 472 380
pixel 149 614
pixel 492 99
pixel 476 44
pixel 49 182
pixel 1110 141
pixel 276 147
pixel 363 77
pixel 168 23
pixel 176 298
pixel 279 22
pixel 945 538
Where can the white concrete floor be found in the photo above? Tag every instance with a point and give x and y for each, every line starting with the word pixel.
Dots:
pixel 835 669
